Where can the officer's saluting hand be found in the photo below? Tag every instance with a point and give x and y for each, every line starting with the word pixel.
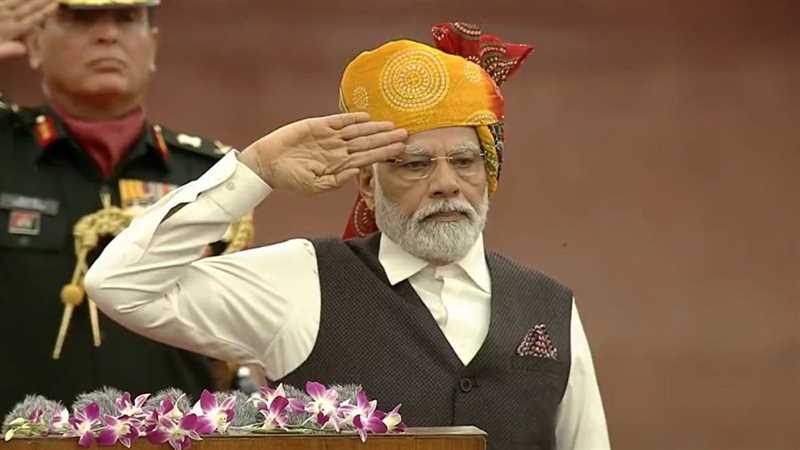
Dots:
pixel 17 19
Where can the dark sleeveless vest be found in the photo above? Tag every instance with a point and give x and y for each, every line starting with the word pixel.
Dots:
pixel 385 339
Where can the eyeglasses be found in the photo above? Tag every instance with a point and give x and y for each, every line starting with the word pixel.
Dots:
pixel 412 167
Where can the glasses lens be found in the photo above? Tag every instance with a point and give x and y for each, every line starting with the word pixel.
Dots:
pixel 465 163
pixel 414 167
pixel 417 167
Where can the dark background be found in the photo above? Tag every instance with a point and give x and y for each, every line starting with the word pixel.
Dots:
pixel 652 151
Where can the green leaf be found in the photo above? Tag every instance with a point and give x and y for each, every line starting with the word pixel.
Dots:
pixel 9 434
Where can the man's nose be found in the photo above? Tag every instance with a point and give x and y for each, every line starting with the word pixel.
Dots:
pixel 105 30
pixel 444 181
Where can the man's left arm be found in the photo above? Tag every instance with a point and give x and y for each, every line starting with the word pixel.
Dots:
pixel 581 420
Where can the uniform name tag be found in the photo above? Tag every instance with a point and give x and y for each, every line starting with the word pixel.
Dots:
pixel 47 206
pixel 25 222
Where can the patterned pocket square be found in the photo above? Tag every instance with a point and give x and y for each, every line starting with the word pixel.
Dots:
pixel 538 343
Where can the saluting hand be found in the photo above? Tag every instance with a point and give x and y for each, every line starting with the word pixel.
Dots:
pixel 18 18
pixel 321 154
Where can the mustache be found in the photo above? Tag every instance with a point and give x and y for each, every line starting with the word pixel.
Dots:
pixel 445 206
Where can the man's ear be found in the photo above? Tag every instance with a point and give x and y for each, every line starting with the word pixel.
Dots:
pixel 33 44
pixel 154 39
pixel 366 185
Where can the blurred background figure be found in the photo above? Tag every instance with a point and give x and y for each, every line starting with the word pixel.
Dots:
pixel 90 141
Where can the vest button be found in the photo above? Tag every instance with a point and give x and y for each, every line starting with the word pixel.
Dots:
pixel 465 384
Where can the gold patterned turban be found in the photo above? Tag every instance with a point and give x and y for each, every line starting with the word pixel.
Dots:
pixel 421 88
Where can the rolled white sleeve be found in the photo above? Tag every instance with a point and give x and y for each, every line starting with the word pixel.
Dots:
pixel 581 420
pixel 259 306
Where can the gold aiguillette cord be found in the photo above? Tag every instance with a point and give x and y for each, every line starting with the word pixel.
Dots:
pixel 87 231
pixel 71 297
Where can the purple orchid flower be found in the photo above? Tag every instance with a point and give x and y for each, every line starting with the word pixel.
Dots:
pixel 35 416
pixel 265 395
pixel 211 415
pixel 131 409
pixel 393 421
pixel 297 405
pixel 363 406
pixel 324 404
pixel 166 408
pixel 372 425
pixel 60 421
pixel 179 434
pixel 275 416
pixel 123 429
pixel 81 424
pixel 364 416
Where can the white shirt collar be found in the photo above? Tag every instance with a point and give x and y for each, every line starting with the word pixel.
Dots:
pixel 400 265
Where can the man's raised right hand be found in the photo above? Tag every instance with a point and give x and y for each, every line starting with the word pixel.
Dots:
pixel 322 153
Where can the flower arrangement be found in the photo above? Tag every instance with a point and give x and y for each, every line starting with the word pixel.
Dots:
pixel 109 416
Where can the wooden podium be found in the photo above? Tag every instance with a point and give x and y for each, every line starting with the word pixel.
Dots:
pixel 445 438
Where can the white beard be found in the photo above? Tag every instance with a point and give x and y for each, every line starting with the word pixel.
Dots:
pixel 437 242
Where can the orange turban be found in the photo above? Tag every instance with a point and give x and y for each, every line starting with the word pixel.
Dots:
pixel 420 88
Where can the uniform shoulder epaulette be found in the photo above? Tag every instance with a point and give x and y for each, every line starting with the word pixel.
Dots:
pixel 7 106
pixel 191 143
pixel 24 116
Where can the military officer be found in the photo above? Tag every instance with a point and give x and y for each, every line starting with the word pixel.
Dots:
pixel 91 139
